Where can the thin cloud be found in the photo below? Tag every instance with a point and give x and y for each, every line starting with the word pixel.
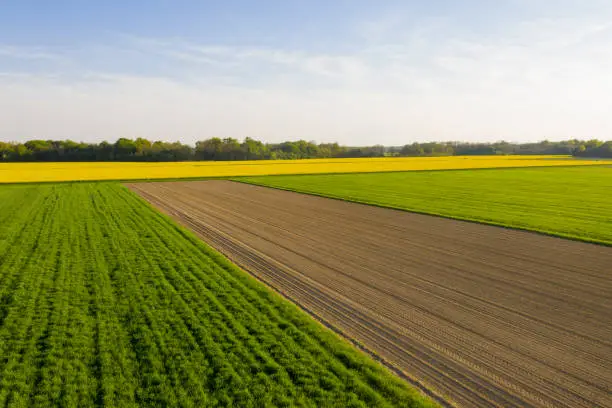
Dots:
pixel 28 53
pixel 540 78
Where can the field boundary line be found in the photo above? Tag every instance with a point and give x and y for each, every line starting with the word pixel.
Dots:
pixel 435 214
pixel 425 390
pixel 231 178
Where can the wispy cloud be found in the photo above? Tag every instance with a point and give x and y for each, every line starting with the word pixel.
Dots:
pixel 265 62
pixel 29 53
pixel 396 82
pixel 427 52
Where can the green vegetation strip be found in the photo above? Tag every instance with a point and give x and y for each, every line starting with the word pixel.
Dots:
pixel 570 202
pixel 106 302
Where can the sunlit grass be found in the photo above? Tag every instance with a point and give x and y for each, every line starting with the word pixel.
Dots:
pixel 572 202
pixel 106 302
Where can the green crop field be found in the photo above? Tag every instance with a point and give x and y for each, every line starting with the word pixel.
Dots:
pixel 106 302
pixel 568 202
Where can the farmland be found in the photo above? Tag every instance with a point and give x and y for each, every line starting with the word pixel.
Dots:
pixel 106 302
pixel 50 172
pixel 571 202
pixel 482 315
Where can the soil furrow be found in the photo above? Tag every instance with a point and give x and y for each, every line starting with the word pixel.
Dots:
pixel 484 316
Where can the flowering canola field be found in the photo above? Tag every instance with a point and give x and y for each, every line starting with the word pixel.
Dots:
pixel 48 172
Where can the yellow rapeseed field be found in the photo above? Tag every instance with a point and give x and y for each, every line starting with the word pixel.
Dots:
pixel 41 172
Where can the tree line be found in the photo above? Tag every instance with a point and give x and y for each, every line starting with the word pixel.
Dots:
pixel 218 149
pixel 574 147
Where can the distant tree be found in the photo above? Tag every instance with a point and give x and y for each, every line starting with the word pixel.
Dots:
pixel 215 148
pixel 125 149
pixel 6 151
pixel 414 149
pixel 254 149
pixel 209 149
pixel 104 152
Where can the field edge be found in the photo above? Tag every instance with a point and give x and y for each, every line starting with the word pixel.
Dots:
pixel 436 214
pixel 425 396
pixel 607 163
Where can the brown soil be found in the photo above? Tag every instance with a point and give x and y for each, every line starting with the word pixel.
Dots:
pixel 481 315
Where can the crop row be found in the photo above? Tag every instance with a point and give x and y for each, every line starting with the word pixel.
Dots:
pixel 105 302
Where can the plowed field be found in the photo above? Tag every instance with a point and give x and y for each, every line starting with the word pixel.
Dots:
pixel 482 315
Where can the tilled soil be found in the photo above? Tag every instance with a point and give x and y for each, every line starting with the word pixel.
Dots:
pixel 481 315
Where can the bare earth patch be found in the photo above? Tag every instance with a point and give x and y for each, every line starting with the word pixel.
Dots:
pixel 481 315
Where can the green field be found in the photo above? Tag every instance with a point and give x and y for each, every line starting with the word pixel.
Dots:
pixel 571 202
pixel 105 302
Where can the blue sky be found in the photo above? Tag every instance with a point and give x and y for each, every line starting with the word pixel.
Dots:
pixel 353 71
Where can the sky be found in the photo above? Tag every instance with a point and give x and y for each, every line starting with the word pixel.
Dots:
pixel 357 72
